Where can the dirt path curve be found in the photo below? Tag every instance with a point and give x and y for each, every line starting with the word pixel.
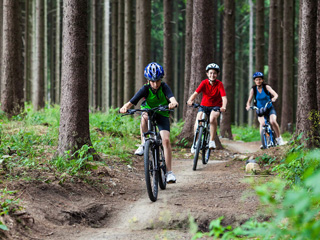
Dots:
pixel 214 190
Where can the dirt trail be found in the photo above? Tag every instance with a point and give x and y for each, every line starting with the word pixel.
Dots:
pixel 214 190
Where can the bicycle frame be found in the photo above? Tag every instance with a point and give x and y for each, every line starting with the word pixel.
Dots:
pixel 267 133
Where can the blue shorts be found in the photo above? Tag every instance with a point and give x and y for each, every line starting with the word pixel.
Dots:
pixel 270 111
pixel 163 122
pixel 206 110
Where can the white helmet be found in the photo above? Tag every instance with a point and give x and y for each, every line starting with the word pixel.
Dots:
pixel 213 66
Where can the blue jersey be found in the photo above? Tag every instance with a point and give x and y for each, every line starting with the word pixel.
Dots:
pixel 262 98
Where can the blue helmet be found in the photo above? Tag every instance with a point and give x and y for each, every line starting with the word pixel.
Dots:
pixel 258 74
pixel 153 71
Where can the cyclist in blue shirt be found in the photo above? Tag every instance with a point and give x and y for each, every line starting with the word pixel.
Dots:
pixel 155 93
pixel 264 93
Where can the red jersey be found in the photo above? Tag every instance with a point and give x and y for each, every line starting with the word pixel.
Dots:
pixel 211 95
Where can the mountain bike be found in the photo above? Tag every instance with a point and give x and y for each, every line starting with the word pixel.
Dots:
pixel 267 133
pixel 154 159
pixel 202 137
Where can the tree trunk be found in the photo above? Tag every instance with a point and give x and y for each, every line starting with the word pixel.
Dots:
pixel 288 61
pixel 120 78
pixel 318 57
pixel 259 36
pixel 278 86
pixel 168 42
pixel 201 57
pixel 12 67
pixel 272 53
pixel 144 39
pixel 106 56
pixel 188 52
pixel 250 115
pixel 307 118
pixel 58 54
pixel 228 66
pixel 38 81
pixel 74 111
pixel 128 51
pixel 114 54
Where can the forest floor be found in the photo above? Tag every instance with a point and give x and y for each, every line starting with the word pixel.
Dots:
pixel 122 210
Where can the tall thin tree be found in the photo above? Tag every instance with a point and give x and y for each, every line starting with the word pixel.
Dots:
pixel 38 100
pixel 228 70
pixel 128 51
pixel 188 52
pixel 74 111
pixel 288 61
pixel 12 67
pixel 201 57
pixel 120 78
pixel 307 118
pixel 168 41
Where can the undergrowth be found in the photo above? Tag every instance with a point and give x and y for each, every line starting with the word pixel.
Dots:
pixel 291 200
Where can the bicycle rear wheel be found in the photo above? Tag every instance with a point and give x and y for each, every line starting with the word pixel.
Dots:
pixel 162 170
pixel 151 175
pixel 198 146
pixel 264 138
pixel 205 149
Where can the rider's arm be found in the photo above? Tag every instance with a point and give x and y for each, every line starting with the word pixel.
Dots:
pixel 192 98
pixel 224 104
pixel 125 107
pixel 249 99
pixel 173 103
pixel 273 93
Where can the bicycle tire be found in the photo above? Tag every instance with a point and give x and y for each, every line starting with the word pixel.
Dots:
pixel 162 169
pixel 151 175
pixel 205 148
pixel 264 139
pixel 198 146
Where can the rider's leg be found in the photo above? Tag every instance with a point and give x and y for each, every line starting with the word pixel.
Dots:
pixel 199 116
pixel 274 124
pixel 165 136
pixel 143 126
pixel 261 121
pixel 213 124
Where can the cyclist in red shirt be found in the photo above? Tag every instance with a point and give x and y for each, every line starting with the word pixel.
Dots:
pixel 213 95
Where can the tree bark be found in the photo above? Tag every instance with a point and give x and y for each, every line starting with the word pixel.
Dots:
pixel 120 67
pixel 12 67
pixel 74 111
pixel 58 54
pixel 114 54
pixel 288 62
pixel 318 57
pixel 201 57
pixel 188 52
pixel 143 27
pixel 259 36
pixel 38 81
pixel 228 78
pixel 168 42
pixel 106 57
pixel 128 51
pixel 307 119
pixel 272 53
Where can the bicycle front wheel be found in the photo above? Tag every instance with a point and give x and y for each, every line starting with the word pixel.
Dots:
pixel 162 170
pixel 264 138
pixel 205 148
pixel 150 171
pixel 198 147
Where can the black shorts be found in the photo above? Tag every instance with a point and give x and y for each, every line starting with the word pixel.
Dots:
pixel 162 122
pixel 206 110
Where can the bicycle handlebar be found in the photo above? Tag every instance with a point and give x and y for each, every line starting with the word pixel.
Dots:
pixel 256 108
pixel 156 109
pixel 197 105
